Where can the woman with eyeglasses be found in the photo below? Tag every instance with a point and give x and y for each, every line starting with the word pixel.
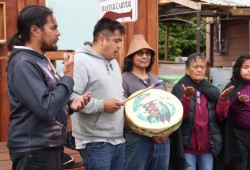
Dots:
pixel 199 139
pixel 142 152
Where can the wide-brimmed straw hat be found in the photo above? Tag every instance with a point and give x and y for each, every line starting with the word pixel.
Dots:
pixel 137 43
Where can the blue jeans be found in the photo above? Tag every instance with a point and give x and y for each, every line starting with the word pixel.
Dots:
pixel 103 156
pixel 204 162
pixel 142 153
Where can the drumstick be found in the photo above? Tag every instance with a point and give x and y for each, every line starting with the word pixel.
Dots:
pixel 159 82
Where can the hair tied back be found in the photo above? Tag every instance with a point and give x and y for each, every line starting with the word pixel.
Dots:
pixel 18 35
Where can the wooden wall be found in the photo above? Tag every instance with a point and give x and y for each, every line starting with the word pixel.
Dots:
pixel 237 34
pixel 12 9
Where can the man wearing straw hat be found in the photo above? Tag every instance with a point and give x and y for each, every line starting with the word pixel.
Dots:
pixel 142 152
pixel 98 128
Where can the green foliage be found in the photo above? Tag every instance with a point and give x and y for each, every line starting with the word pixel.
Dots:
pixel 182 39
pixel 161 43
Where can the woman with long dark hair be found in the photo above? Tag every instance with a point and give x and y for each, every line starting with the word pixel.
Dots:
pixel 237 134
pixel 142 152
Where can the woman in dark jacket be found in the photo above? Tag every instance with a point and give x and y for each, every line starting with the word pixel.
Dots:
pixel 199 139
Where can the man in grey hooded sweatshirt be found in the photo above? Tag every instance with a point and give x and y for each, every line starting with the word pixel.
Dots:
pixel 98 128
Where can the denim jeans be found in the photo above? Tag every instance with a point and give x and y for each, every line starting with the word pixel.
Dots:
pixel 204 162
pixel 142 153
pixel 103 156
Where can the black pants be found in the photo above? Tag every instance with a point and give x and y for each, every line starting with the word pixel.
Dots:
pixel 243 138
pixel 44 159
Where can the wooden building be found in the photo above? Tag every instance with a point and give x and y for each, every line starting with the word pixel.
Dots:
pixel 227 26
pixel 147 24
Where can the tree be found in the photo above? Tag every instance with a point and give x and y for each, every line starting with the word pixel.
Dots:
pixel 182 39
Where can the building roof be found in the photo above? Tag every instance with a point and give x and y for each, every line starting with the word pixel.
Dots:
pixel 208 8
pixel 241 3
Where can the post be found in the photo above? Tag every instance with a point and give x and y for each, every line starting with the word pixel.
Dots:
pixel 198 30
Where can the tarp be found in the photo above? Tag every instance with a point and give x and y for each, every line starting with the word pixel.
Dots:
pixel 242 3
pixel 173 79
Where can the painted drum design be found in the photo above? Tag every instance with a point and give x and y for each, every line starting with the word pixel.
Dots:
pixel 154 113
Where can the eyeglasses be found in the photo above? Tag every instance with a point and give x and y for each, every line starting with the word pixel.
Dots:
pixel 141 53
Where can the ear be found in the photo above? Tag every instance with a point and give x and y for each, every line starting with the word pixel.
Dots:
pixel 101 39
pixel 34 30
pixel 187 70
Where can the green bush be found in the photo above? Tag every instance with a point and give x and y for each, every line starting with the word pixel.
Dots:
pixel 182 39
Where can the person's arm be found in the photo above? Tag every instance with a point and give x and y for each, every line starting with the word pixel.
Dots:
pixel 125 89
pixel 81 79
pixel 222 108
pixel 101 105
pixel 33 92
pixel 186 106
pixel 223 103
pixel 188 92
pixel 239 101
pixel 79 102
pixel 94 105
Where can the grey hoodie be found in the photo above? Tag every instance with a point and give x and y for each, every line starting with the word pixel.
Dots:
pixel 102 78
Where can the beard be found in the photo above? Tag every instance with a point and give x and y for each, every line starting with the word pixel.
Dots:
pixel 47 48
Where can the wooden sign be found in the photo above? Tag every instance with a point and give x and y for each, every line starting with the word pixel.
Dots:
pixel 120 10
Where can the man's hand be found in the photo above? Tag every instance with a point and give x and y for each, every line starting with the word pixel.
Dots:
pixel 80 102
pixel 68 61
pixel 112 105
pixel 188 91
